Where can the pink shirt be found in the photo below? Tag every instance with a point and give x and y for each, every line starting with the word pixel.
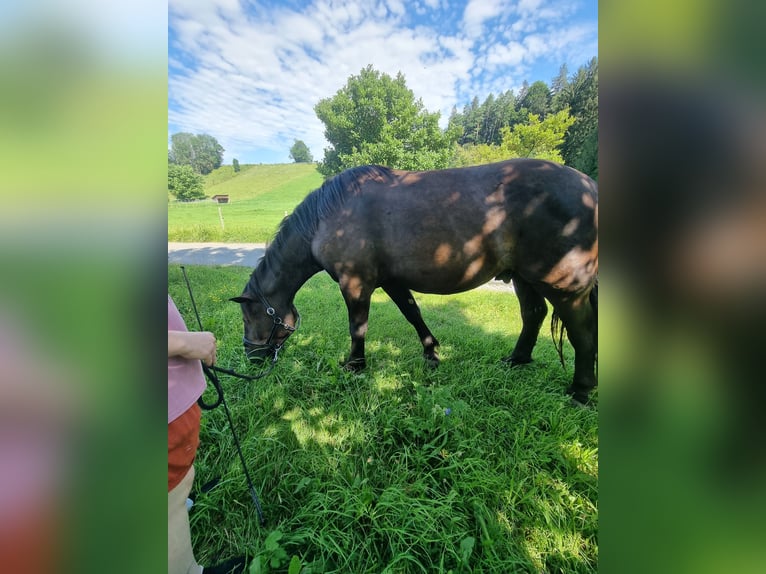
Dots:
pixel 186 381
pixel 35 429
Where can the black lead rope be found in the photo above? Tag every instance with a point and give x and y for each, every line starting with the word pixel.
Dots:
pixel 245 377
pixel 221 400
pixel 208 373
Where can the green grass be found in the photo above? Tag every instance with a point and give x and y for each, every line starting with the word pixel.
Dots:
pixel 470 467
pixel 259 198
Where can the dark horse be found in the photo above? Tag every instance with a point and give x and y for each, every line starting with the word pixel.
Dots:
pixel 445 231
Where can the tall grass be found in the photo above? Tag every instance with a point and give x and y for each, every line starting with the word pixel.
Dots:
pixel 259 198
pixel 470 467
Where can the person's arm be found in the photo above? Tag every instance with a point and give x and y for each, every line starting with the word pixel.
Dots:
pixel 192 345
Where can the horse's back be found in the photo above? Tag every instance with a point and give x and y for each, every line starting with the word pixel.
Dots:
pixel 450 230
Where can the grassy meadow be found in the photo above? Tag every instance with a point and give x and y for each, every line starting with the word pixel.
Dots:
pixel 259 198
pixel 470 467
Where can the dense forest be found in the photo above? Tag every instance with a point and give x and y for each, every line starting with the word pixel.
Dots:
pixel 482 123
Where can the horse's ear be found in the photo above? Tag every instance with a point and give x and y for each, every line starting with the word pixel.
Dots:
pixel 241 299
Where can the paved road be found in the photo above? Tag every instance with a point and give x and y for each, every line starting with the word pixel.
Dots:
pixel 245 255
pixel 240 254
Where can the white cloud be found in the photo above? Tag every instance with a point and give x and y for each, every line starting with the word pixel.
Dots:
pixel 529 6
pixel 511 54
pixel 252 79
pixel 479 11
pixel 396 7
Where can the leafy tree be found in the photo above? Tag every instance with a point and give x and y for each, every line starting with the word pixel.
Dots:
pixel 455 123
pixel 471 154
pixel 210 154
pixel 483 123
pixel 376 119
pixel 235 165
pixel 184 183
pixel 202 152
pixel 300 153
pixel 181 148
pixel 536 138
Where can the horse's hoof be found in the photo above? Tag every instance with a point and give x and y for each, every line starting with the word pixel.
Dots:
pixel 432 361
pixel 355 366
pixel 578 399
pixel 575 402
pixel 513 362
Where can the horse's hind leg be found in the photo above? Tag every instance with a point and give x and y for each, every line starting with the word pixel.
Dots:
pixel 409 308
pixel 579 319
pixel 533 312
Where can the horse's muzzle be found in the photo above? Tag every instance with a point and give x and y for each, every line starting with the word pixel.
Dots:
pixel 258 353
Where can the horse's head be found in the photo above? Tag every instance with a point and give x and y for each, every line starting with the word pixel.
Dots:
pixel 266 327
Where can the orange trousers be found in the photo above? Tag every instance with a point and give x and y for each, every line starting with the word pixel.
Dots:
pixel 183 440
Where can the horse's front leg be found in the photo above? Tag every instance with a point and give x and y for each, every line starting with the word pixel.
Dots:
pixel 409 308
pixel 357 297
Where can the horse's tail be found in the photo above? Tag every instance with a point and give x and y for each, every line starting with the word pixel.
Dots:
pixel 557 334
pixel 558 329
pixel 593 298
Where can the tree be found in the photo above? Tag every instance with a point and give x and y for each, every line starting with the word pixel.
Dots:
pixel 481 123
pixel 580 148
pixel 455 123
pixel 536 138
pixel 235 165
pixel 202 152
pixel 300 153
pixel 184 183
pixel 473 117
pixel 522 93
pixel 560 90
pixel 537 99
pixel 180 152
pixel 376 119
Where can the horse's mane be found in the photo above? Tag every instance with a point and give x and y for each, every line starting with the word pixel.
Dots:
pixel 319 204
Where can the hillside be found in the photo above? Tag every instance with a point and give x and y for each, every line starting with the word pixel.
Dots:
pixel 259 198
pixel 255 180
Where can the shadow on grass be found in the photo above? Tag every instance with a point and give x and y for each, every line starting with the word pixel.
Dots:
pixel 469 467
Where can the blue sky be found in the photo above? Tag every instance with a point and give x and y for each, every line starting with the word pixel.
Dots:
pixel 250 72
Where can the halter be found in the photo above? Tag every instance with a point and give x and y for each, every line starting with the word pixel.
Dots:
pixel 277 321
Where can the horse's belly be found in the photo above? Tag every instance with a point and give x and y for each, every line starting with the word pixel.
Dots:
pixel 439 264
pixel 444 282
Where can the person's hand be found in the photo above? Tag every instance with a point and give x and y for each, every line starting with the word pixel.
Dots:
pixel 192 345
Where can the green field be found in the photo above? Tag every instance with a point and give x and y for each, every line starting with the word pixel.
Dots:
pixel 471 467
pixel 259 198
